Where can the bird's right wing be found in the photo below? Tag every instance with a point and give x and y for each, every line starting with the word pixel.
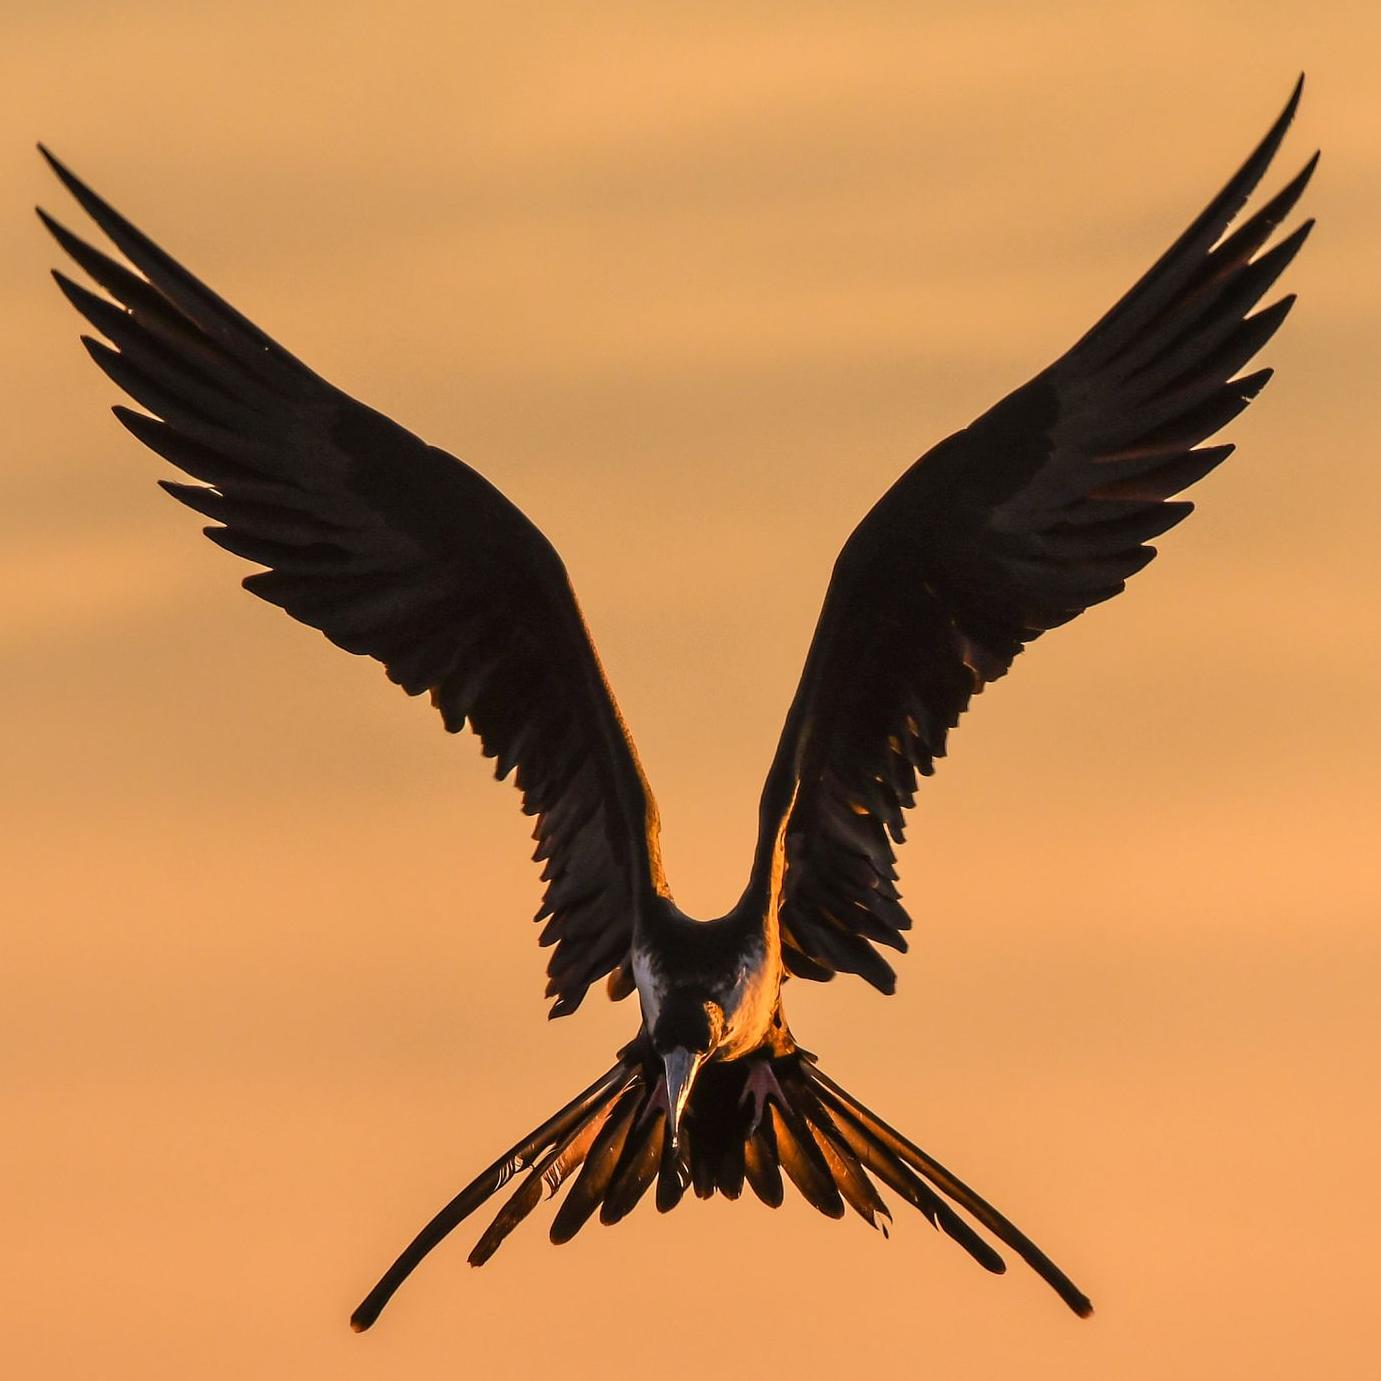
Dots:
pixel 394 550
pixel 1037 510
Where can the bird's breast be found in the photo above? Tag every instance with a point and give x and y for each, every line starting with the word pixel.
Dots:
pixel 751 1005
pixel 650 981
pixel 729 964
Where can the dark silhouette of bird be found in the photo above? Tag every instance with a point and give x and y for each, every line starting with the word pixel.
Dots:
pixel 396 550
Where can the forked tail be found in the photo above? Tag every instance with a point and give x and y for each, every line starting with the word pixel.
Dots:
pixel 614 1133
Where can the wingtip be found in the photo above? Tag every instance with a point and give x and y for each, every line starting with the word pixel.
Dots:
pixel 1293 103
pixel 1294 189
pixel 52 225
pixel 1282 123
pixel 1286 116
pixel 70 289
pixel 57 165
pixel 65 238
pixel 1265 151
pixel 97 349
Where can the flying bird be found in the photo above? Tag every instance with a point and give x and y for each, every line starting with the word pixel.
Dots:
pixel 393 549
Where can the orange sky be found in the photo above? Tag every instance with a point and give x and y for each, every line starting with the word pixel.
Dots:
pixel 692 285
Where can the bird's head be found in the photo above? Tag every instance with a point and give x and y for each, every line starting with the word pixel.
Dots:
pixel 689 1027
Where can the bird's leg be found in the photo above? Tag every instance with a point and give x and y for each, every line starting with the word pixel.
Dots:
pixel 759 1087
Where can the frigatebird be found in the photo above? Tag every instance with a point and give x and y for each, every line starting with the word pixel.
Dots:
pixel 1042 507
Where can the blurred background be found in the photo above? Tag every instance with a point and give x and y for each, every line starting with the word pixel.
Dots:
pixel 692 284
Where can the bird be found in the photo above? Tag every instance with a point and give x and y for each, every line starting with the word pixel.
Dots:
pixel 1044 506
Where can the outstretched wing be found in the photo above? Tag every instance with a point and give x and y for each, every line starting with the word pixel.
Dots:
pixel 1016 524
pixel 394 550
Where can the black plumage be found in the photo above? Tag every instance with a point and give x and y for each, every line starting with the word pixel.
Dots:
pixel 1042 507
pixel 1015 525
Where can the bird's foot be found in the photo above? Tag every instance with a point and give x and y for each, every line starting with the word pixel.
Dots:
pixel 759 1088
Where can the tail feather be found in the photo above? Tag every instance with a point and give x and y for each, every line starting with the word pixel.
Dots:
pixel 545 1178
pixel 847 1173
pixel 591 1185
pixel 732 1169
pixel 1001 1228
pixel 611 1142
pixel 704 1176
pixel 761 1166
pixel 487 1183
pixel 803 1162
pixel 673 1175
pixel 894 1173
pixel 637 1168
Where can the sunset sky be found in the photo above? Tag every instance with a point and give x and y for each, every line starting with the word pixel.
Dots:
pixel 692 285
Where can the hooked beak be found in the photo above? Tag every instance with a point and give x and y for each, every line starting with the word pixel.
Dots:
pixel 681 1066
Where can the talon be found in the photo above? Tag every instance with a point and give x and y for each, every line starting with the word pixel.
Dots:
pixel 760 1087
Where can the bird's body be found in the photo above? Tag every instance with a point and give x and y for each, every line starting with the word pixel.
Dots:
pixel 734 960
pixel 1012 526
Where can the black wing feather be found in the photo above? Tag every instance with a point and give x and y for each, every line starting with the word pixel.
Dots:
pixel 1042 507
pixel 393 550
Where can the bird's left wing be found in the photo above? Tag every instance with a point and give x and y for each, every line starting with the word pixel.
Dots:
pixel 395 550
pixel 1039 509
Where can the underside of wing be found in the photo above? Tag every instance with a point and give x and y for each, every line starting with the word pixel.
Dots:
pixel 1042 507
pixel 394 550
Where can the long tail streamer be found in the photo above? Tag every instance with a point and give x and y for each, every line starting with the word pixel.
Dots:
pixel 612 1139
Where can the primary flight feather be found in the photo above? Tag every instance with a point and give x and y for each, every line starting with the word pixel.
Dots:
pixel 1042 507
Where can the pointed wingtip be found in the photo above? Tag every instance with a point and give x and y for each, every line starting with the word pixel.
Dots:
pixel 67 241
pixel 1266 150
pixel 57 165
pixel 1235 194
pixel 1293 103
pixel 97 349
pixel 53 226
pixel 1287 115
